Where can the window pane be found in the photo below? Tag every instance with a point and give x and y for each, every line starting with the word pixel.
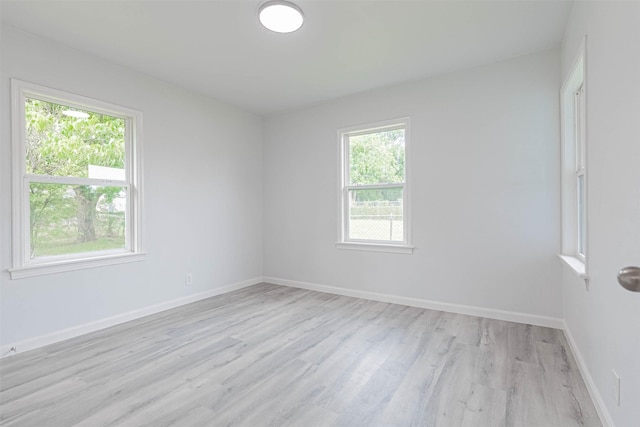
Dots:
pixel 64 141
pixel 376 214
pixel 76 218
pixel 377 158
pixel 580 128
pixel 581 214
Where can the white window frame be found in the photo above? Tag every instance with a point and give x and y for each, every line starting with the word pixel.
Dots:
pixel 23 265
pixel 344 242
pixel 580 171
pixel 574 135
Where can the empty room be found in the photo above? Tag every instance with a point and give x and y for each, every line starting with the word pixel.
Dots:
pixel 320 213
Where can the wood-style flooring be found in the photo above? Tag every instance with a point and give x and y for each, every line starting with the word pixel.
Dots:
pixel 270 355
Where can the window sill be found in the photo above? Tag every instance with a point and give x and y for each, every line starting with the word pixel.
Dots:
pixel 40 269
pixel 375 247
pixel 576 265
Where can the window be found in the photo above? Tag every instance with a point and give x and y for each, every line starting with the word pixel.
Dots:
pixel 374 193
pixel 579 143
pixel 574 168
pixel 77 182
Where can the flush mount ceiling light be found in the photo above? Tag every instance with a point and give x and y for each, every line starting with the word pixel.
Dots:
pixel 75 113
pixel 281 16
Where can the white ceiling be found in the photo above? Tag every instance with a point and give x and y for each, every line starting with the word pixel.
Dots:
pixel 219 48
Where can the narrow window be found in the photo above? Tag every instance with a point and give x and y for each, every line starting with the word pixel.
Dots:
pixel 579 143
pixel 76 180
pixel 574 167
pixel 374 190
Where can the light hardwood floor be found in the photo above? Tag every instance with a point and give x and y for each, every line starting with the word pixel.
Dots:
pixel 273 356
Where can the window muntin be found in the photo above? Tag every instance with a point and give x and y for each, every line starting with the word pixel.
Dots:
pixel 77 178
pixel 374 189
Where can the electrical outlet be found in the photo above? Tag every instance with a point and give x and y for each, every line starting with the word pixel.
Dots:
pixel 188 279
pixel 615 386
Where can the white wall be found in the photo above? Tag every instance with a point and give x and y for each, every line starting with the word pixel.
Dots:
pixel 604 322
pixel 203 195
pixel 486 212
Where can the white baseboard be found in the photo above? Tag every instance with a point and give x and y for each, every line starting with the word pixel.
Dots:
pixel 62 335
pixel 598 402
pixel 41 341
pixel 511 316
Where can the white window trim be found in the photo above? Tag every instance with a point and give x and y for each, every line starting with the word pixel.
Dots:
pixel 23 266
pixel 573 166
pixel 343 211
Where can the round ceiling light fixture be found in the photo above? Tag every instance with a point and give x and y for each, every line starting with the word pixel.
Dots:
pixel 281 16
